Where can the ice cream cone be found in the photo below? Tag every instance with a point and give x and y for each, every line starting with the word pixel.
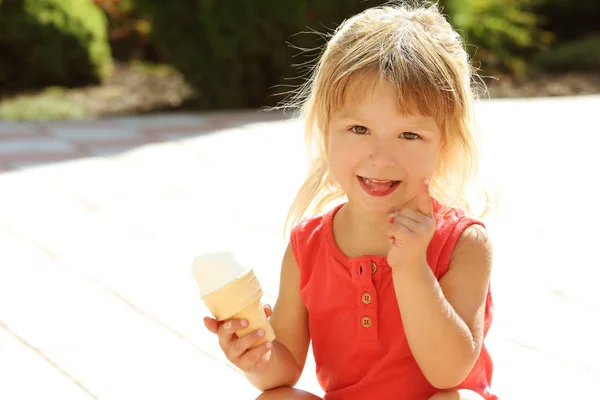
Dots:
pixel 240 298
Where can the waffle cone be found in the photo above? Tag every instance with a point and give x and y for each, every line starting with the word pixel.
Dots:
pixel 241 299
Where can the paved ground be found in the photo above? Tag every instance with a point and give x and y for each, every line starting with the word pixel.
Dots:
pixel 96 295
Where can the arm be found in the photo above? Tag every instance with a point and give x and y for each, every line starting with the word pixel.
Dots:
pixel 444 321
pixel 290 323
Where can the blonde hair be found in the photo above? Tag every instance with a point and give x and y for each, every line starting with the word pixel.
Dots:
pixel 415 49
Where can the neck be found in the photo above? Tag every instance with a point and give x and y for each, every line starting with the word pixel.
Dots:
pixel 372 222
pixel 361 233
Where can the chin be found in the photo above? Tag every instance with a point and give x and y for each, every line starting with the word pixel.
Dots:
pixel 377 205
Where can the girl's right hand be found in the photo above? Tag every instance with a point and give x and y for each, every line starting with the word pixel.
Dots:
pixel 237 350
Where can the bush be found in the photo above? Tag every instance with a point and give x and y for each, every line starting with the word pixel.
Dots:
pixel 46 105
pixel 235 52
pixel 499 33
pixel 578 55
pixel 52 42
pixel 568 19
pixel 128 31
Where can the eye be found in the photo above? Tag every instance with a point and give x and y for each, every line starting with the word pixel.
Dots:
pixel 409 136
pixel 359 130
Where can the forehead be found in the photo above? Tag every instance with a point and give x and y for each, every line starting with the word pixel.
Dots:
pixel 377 101
pixel 406 95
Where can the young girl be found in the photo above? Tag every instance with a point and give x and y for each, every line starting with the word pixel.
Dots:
pixel 392 284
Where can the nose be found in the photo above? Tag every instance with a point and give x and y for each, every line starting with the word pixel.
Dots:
pixel 381 154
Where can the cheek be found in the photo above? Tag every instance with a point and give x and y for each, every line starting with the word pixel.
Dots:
pixel 338 165
pixel 333 159
pixel 421 162
pixel 343 159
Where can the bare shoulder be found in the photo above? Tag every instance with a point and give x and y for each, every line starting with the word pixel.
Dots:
pixel 473 250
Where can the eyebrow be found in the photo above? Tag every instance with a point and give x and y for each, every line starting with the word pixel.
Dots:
pixel 411 124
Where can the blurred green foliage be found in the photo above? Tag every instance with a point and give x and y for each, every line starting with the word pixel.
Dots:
pixel 574 29
pixel 240 53
pixel 569 19
pixel 579 54
pixel 128 30
pixel 47 105
pixel 235 52
pixel 498 33
pixel 52 42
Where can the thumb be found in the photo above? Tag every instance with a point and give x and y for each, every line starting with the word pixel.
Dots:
pixel 211 324
pixel 268 310
pixel 424 204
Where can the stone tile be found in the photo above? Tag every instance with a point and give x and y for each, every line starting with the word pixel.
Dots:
pixel 21 366
pixel 81 124
pixel 33 146
pixel 5 168
pixel 94 135
pixel 113 349
pixel 111 150
pixel 22 134
pixel 33 203
pixel 162 119
pixel 523 373
pixel 10 127
pixel 22 161
pixel 27 161
pixel 551 323
pixel 179 136
pixel 167 130
pixel 248 116
pixel 96 181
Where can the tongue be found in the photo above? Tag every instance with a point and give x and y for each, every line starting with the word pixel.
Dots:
pixel 380 186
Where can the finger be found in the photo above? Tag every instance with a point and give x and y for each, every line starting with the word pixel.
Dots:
pixel 423 220
pixel 392 214
pixel 397 233
pixel 211 324
pixel 241 345
pixel 412 214
pixel 227 331
pixel 256 358
pixel 268 310
pixel 424 204
pixel 405 222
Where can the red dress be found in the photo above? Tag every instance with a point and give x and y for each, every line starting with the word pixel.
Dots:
pixel 358 340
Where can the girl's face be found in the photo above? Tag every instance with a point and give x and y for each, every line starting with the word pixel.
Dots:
pixel 379 156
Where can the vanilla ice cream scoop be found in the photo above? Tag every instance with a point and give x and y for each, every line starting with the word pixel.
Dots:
pixel 230 290
pixel 213 271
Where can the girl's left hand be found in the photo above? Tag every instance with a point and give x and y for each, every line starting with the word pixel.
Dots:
pixel 411 231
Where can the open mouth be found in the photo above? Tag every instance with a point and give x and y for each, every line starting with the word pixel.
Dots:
pixel 378 187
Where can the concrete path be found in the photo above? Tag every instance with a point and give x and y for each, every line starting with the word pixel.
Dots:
pixel 99 222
